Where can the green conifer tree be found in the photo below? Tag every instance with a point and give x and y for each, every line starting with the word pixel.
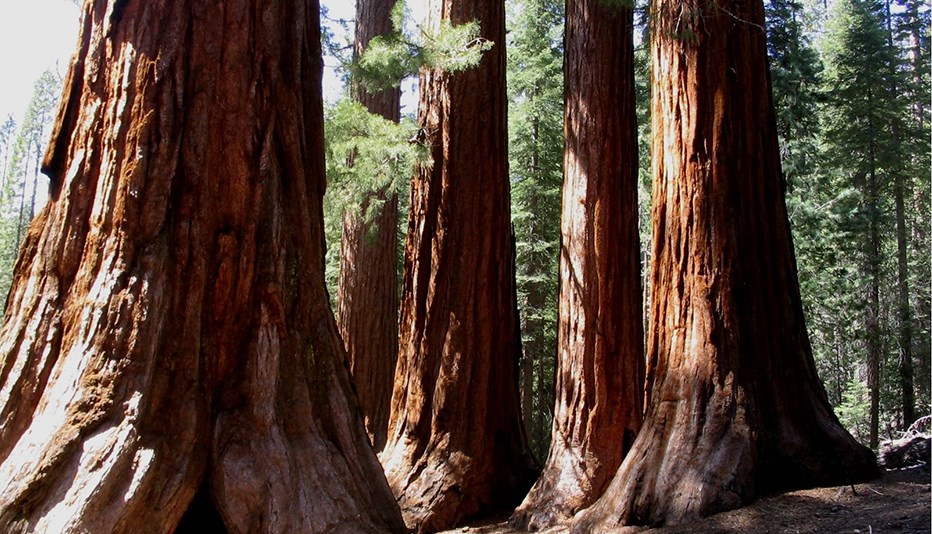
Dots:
pixel 535 92
pixel 864 154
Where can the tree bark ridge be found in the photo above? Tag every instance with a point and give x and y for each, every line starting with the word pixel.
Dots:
pixel 735 408
pixel 168 322
pixel 600 375
pixel 456 444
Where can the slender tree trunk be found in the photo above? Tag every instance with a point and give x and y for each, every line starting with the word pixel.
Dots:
pixel 534 348
pixel 915 59
pixel 527 385
pixel 534 383
pixel 368 286
pixel 872 267
pixel 456 442
pixel 6 167
pixel 600 358
pixel 903 312
pixel 20 220
pixel 168 328
pixel 545 379
pixel 735 407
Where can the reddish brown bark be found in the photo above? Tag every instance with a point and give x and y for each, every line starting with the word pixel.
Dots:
pixel 168 328
pixel 736 409
pixel 368 286
pixel 600 375
pixel 456 442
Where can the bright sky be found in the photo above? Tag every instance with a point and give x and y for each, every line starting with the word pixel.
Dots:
pixel 35 35
pixel 40 34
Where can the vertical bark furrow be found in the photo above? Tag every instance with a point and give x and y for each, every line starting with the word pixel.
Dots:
pixel 456 445
pixel 368 290
pixel 600 373
pixel 735 409
pixel 183 259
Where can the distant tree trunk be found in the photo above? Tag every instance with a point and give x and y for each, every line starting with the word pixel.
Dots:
pixel 21 221
pixel 368 285
pixel 534 349
pixel 735 407
pixel 600 357
pixel 904 315
pixel 528 413
pixel 168 328
pixel 871 250
pixel 903 312
pixel 35 184
pixel 543 416
pixel 456 442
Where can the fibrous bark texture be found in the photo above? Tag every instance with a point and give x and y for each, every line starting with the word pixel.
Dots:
pixel 735 407
pixel 168 328
pixel 368 286
pixel 600 359
pixel 456 443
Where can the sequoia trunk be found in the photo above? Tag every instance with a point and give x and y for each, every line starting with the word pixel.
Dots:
pixel 600 375
pixel 456 442
pixel 368 286
pixel 168 328
pixel 735 408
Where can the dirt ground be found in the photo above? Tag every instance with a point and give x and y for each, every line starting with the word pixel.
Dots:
pixel 899 502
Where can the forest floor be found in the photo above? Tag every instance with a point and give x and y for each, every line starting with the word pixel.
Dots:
pixel 898 502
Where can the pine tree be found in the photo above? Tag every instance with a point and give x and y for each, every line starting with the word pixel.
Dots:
pixel 795 74
pixel 21 172
pixel 7 131
pixel 368 290
pixel 864 152
pixel 535 128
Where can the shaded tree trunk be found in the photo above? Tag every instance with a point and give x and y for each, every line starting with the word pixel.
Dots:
pixel 600 358
pixel 871 211
pixel 368 285
pixel 904 315
pixel 903 312
pixel 456 442
pixel 735 408
pixel 168 328
pixel 528 413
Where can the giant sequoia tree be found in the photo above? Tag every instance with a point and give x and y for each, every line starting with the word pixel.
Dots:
pixel 456 442
pixel 600 374
pixel 168 327
pixel 368 287
pixel 735 407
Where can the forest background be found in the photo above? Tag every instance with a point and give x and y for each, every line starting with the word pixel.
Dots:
pixel 851 82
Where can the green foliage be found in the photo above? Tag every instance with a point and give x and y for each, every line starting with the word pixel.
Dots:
pixel 837 100
pixel 796 75
pixel 365 154
pixel 22 156
pixel 853 410
pixel 535 130
pixel 642 77
pixel 390 58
